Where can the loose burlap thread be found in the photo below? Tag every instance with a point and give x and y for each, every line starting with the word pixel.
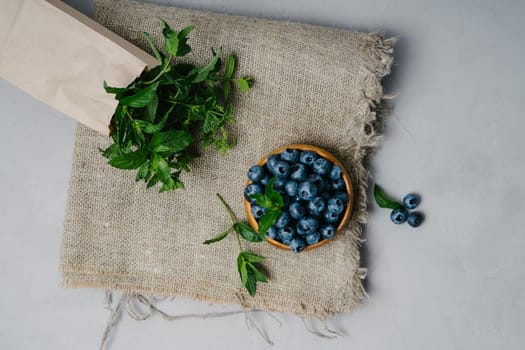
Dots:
pixel 313 85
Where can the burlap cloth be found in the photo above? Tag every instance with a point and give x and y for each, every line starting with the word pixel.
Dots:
pixel 313 85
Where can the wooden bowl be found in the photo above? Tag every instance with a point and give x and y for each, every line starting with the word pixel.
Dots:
pixel 346 178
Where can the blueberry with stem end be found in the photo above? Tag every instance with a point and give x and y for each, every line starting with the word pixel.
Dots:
pixel 290 155
pixel 399 216
pixel 255 173
pixel 411 201
pixel 297 245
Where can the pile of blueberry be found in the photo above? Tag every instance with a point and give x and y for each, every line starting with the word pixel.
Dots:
pixel 415 218
pixel 314 194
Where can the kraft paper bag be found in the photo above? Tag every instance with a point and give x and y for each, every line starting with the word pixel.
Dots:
pixel 62 58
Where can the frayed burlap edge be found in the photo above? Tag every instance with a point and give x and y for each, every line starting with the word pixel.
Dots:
pixel 358 149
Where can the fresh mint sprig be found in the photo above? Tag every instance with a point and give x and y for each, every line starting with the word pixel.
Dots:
pixel 273 202
pixel 169 109
pixel 247 261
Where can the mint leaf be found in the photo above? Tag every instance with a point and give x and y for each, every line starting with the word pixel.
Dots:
pixel 251 284
pixel 143 172
pixel 259 276
pixel 262 200
pixel 131 160
pixel 230 66
pixel 113 90
pixel 204 72
pixel 171 141
pixel 245 83
pixel 172 39
pixel 383 201
pixel 243 271
pixel 252 257
pixel 141 98
pixel 156 51
pixel 247 232
pixel 218 237
pixel 273 195
pixel 268 219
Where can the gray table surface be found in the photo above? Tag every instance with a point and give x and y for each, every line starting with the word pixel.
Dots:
pixel 455 136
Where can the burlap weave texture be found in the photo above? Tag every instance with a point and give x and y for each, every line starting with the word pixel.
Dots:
pixel 313 85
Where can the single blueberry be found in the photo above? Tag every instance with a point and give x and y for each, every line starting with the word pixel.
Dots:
pixel 327 231
pixel 335 205
pixel 272 232
pixel 255 173
pixel 415 219
pixel 297 245
pixel 307 225
pixel 270 162
pixel 318 181
pixel 264 181
pixel 258 211
pixel 322 166
pixel 313 238
pixel 330 217
pixel 335 173
pixel 411 201
pixel 286 233
pixel 316 206
pixel 286 241
pixel 296 210
pixel 342 196
pixel 290 155
pixel 307 191
pixel 252 189
pixel 282 220
pixel 399 216
pixel 308 157
pixel 298 172
pixel 278 185
pixel 290 187
pixel 338 184
pixel 280 169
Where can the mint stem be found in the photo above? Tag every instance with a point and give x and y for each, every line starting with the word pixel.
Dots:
pixel 232 216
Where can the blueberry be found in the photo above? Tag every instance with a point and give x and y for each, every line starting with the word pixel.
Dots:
pixel 290 155
pixel 297 245
pixel 330 217
pixel 399 216
pixel 342 196
pixel 290 187
pixel 312 238
pixel 322 166
pixel 278 185
pixel 308 157
pixel 280 169
pixel 255 173
pixel 415 219
pixel 335 205
pixel 282 220
pixel 338 184
pixel 286 241
pixel 257 211
pixel 270 162
pixel 296 210
pixel 307 225
pixel 307 191
pixel 317 180
pixel 316 206
pixel 272 232
pixel 327 231
pixel 286 233
pixel 335 173
pixel 298 172
pixel 411 201
pixel 252 189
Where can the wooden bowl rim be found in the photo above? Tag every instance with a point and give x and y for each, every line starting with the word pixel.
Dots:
pixel 330 157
